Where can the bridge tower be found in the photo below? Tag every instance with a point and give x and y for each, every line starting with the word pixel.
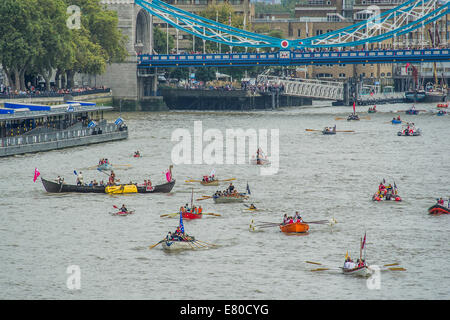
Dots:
pixel 128 88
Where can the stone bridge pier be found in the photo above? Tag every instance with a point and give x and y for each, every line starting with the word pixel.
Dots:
pixel 131 91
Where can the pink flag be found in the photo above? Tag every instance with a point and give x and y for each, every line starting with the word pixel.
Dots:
pixel 36 174
pixel 168 176
pixel 354 107
pixel 363 242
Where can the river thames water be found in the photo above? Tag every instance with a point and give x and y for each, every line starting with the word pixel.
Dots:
pixel 323 177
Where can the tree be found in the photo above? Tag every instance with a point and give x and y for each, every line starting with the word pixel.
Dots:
pixel 20 39
pixel 160 41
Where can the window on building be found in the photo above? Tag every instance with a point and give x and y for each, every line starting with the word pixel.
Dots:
pixel 341 75
pixel 299 33
pixel 319 32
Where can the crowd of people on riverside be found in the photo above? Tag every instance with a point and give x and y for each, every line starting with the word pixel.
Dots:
pixel 9 93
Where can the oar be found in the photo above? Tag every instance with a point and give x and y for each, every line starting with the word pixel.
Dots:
pixel 151 247
pixel 366 117
pixel 338 118
pixel 397 269
pixel 213 214
pixel 228 179
pixel 312 262
pixel 192 181
pixel 390 265
pixel 345 131
pixel 313 129
pixel 98 169
pixel 209 244
pixel 121 165
pixel 200 199
pixel 318 222
pixel 169 214
pixel 320 269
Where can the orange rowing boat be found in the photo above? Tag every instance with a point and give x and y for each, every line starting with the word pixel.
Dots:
pixel 297 227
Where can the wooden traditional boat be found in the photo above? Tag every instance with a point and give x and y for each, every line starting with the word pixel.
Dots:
pixel 191 215
pixel 229 198
pixel 362 271
pixel 297 227
pixel 353 116
pixel 372 110
pixel 412 111
pixel 104 167
pixel 55 187
pixel 438 209
pixel 174 245
pixel 210 183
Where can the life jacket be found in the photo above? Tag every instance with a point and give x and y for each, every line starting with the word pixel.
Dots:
pixel 200 210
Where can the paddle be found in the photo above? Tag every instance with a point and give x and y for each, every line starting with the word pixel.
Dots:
pixel 213 214
pixel 312 130
pixel 202 199
pixel 192 180
pixel 338 118
pixel 151 247
pixel 397 269
pixel 229 179
pixel 98 169
pixel 320 269
pixel 345 131
pixel 169 214
pixel 312 262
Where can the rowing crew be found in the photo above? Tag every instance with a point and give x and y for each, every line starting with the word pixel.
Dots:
pixel 350 264
pixel 178 235
pixel 230 191
pixel 330 129
pixel 442 201
pixel 193 210
pixel 103 161
pixel 290 220
pixel 208 178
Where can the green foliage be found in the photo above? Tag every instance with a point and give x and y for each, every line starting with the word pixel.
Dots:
pixel 160 41
pixel 35 39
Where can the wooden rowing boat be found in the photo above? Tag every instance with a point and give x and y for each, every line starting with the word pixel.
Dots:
pixel 191 215
pixel 438 209
pixel 54 187
pixel 104 167
pixel 297 227
pixel 362 271
pixel 175 245
pixel 210 183
pixel 229 199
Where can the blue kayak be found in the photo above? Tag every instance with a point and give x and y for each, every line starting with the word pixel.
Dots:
pixel 396 121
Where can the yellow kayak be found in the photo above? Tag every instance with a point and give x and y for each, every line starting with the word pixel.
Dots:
pixel 128 188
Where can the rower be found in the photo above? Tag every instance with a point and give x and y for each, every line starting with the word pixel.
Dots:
pixel 285 219
pixel 231 188
pixel 200 210
pixel 297 217
pixel 112 177
pixel 123 209
pixel 252 206
pixel 59 180
pixel 80 180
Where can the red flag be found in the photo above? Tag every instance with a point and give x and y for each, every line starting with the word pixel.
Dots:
pixel 364 242
pixel 36 174
pixel 354 107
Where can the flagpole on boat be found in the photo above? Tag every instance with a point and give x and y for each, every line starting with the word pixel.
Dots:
pixel 192 199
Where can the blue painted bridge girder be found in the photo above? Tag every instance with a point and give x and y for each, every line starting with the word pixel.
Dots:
pixel 290 58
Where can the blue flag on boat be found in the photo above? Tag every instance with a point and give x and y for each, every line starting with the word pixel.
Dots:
pixel 118 121
pixel 181 222
pixel 70 109
pixel 92 124
pixel 248 189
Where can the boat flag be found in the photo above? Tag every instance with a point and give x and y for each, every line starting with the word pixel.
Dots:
pixel 118 121
pixel 181 222
pixel 248 189
pixel 363 242
pixel 407 65
pixel 354 104
pixel 92 124
pixel 168 176
pixel 36 174
pixel 213 172
pixel 346 255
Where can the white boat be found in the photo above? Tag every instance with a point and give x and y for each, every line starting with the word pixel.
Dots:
pixel 178 245
pixel 362 271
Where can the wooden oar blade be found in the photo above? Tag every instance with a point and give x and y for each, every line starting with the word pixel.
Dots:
pixel 229 179
pixel 397 269
pixel 312 130
pixel 320 269
pixel 390 265
pixel 312 262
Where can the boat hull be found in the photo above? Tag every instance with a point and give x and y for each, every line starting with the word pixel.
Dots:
pixel 54 187
pixel 395 198
pixel 104 167
pixel 210 183
pixel 121 189
pixel 362 271
pixel 328 132
pixel 189 215
pixel 177 245
pixel 396 121
pixel 297 227
pixel 229 199
pixel 438 209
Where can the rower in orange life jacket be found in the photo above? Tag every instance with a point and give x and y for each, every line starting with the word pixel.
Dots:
pixel 200 210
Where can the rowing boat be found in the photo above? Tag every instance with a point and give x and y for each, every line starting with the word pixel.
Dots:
pixel 412 111
pixel 325 131
pixel 442 105
pixel 104 167
pixel 297 227
pixel 122 213
pixel 54 187
pixel 174 245
pixel 353 116
pixel 396 121
pixel 210 183
pixel 362 271
pixel 191 215
pixel 438 209
pixel 392 197
pixel 259 161
pixel 229 199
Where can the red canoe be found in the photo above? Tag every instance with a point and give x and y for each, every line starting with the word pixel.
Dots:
pixel 438 209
